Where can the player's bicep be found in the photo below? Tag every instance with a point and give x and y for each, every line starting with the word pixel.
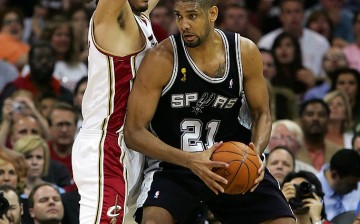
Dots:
pixel 254 83
pixel 153 74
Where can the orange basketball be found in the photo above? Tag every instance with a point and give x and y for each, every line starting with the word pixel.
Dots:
pixel 243 166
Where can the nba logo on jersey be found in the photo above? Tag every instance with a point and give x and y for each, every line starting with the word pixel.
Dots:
pixel 157 193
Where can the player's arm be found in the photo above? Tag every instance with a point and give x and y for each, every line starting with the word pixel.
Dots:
pixel 153 74
pixel 256 94
pixel 152 4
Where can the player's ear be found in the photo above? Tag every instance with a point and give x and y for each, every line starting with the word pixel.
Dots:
pixel 213 12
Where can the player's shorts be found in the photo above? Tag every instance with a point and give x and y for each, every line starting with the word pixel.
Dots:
pixel 103 176
pixel 181 193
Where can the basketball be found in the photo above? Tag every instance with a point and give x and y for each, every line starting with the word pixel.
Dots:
pixel 243 166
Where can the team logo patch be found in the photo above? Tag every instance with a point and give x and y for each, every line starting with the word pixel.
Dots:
pixel 183 71
pixel 156 195
pixel 113 211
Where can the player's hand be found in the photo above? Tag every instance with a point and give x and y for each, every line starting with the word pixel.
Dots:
pixel 261 170
pixel 202 166
pixel 289 190
pixel 315 207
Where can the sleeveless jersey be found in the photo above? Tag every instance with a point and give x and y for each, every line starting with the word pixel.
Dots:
pixel 110 79
pixel 195 110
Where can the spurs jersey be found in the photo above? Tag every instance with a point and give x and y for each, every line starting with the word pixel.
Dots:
pixel 204 110
pixel 110 80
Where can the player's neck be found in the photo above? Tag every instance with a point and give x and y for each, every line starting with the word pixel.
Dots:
pixel 208 47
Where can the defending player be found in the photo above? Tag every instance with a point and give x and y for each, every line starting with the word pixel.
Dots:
pixel 106 173
pixel 190 92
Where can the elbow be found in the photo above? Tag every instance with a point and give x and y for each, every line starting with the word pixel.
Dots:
pixel 128 136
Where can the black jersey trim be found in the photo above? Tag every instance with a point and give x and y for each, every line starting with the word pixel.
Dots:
pixel 175 67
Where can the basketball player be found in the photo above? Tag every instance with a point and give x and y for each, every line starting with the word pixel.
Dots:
pixel 119 35
pixel 190 93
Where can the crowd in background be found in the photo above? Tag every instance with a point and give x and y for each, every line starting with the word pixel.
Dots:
pixel 311 57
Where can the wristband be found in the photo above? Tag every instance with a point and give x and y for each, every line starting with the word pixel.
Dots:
pixel 318 222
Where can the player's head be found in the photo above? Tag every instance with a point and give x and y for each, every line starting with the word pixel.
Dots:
pixel 195 19
pixel 139 5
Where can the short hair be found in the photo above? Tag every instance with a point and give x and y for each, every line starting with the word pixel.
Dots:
pixel 29 143
pixel 282 148
pixel 305 104
pixel 31 201
pixel 6 188
pixel 62 106
pixel 206 4
pixel 284 1
pixel 346 162
pixel 40 44
pixel 293 127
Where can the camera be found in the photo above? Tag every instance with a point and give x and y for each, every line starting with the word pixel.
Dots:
pixel 18 106
pixel 303 190
pixel 4 205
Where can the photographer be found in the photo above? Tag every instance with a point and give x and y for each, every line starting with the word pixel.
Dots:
pixel 10 206
pixel 304 193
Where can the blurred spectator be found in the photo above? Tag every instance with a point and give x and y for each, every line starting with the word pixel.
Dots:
pixel 291 72
pixel 348 81
pixel 40 79
pixel 340 120
pixel 340 17
pixel 10 176
pixel 78 97
pixel 269 68
pixel 15 211
pixel 235 19
pixel 46 102
pixel 305 194
pixel 45 205
pixel 36 152
pixel 280 162
pixel 287 133
pixel 352 51
pixel 263 14
pixel 34 25
pixel 313 45
pixel 68 67
pixel 164 17
pixel 333 60
pixel 320 22
pixel 314 117
pixel 13 50
pixel 8 73
pixel 79 19
pixel 355 142
pixel 340 182
pixel 62 124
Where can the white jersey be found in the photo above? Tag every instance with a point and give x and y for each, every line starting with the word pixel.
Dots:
pixel 110 79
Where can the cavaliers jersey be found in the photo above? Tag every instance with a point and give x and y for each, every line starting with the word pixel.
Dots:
pixel 195 110
pixel 110 80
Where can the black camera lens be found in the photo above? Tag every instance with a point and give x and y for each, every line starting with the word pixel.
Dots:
pixel 305 189
pixel 4 204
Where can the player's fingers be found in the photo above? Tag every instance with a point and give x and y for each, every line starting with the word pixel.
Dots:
pixel 254 187
pixel 215 146
pixel 252 146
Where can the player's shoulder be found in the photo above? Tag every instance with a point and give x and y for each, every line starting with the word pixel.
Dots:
pixel 247 44
pixel 162 50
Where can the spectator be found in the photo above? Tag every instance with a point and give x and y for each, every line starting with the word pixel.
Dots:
pixel 314 117
pixel 280 162
pixel 34 25
pixel 333 60
pixel 340 181
pixel 68 67
pixel 15 211
pixel 78 97
pixel 46 102
pixel 313 45
pixel 269 68
pixel 320 22
pixel 287 133
pixel 307 207
pixel 10 176
pixel 45 205
pixel 339 15
pixel 352 51
pixel 40 80
pixel 291 72
pixel 348 81
pixel 62 124
pixel 164 17
pixel 356 142
pixel 13 50
pixel 236 20
pixel 340 120
pixel 8 73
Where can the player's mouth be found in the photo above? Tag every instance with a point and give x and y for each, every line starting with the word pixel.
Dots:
pixel 189 37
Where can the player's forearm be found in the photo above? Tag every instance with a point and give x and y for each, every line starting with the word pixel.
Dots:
pixel 261 129
pixel 143 141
